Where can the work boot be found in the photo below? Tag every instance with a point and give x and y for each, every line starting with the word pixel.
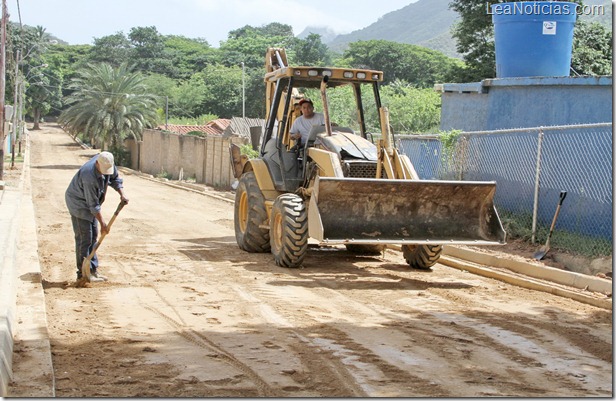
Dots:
pixel 97 277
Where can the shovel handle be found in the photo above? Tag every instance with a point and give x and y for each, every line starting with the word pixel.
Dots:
pixel 563 195
pixel 103 235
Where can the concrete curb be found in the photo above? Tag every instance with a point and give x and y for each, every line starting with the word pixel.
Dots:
pixel 23 315
pixel 9 221
pixel 570 285
pixel 36 377
pixel 535 270
pixel 10 206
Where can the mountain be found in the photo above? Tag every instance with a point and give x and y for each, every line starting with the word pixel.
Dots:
pixel 327 34
pixel 605 18
pixel 425 23
pixel 428 23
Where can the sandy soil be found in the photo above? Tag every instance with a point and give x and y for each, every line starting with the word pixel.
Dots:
pixel 186 313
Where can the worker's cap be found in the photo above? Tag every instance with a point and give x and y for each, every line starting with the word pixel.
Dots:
pixel 105 163
pixel 305 101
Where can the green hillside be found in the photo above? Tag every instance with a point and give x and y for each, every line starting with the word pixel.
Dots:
pixel 428 23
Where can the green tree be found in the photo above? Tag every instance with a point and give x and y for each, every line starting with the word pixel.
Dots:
pixel 64 61
pixel 108 105
pixel 163 89
pixel 474 34
pixel 190 55
pixel 189 97
pixel 417 65
pixel 412 110
pixel 222 91
pixel 41 82
pixel 249 44
pixel 311 51
pixel 148 52
pixel 592 49
pixel 111 49
pixel 43 92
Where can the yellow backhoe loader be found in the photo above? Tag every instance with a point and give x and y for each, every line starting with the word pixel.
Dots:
pixel 341 188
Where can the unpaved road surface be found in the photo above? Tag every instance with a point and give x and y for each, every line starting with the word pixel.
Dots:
pixel 186 313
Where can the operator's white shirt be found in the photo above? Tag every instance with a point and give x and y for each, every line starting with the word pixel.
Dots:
pixel 302 125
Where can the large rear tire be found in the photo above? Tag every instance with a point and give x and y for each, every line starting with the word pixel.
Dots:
pixel 249 215
pixel 289 231
pixel 421 256
pixel 369 250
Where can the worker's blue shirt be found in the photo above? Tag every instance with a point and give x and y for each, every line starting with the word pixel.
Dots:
pixel 86 192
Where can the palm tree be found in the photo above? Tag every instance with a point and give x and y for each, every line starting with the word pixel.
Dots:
pixel 108 105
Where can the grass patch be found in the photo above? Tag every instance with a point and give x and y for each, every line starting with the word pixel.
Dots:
pixel 18 158
pixel 518 226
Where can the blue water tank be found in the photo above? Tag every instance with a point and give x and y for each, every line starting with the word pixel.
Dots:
pixel 533 38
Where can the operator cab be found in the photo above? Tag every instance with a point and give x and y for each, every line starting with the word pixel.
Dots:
pixel 287 86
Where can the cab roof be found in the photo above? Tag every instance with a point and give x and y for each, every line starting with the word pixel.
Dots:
pixel 311 77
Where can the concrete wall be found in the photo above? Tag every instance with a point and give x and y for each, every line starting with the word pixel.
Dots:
pixel 207 160
pixel 525 102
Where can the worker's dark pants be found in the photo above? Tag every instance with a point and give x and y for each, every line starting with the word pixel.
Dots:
pixel 86 233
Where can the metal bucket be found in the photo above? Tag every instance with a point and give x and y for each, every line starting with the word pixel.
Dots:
pixel 354 210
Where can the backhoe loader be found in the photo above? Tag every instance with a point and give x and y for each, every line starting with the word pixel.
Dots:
pixel 341 188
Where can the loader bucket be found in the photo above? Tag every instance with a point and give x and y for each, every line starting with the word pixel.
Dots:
pixel 357 210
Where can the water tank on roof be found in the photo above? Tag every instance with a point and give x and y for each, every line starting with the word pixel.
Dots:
pixel 533 38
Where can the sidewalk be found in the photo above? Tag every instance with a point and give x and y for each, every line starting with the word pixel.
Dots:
pixel 23 320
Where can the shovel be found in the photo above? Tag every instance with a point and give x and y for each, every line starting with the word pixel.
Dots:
pixel 85 266
pixel 544 249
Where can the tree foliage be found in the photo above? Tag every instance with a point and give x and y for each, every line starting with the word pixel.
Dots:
pixel 474 34
pixel 412 110
pixel 417 65
pixel 39 81
pixel 592 49
pixel 111 49
pixel 188 79
pixel 108 105
pixel 311 51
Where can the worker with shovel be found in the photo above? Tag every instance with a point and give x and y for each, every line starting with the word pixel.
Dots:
pixel 84 197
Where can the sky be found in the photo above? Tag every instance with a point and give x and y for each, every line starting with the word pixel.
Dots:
pixel 80 21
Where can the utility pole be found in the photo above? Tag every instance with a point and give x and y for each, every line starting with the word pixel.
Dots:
pixel 14 135
pixel 5 16
pixel 166 112
pixel 20 121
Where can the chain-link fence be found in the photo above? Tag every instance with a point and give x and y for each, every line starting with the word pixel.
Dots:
pixel 531 166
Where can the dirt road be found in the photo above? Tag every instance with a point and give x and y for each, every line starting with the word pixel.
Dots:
pixel 186 313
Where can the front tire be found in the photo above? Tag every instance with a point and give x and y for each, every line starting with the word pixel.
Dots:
pixel 422 256
pixel 289 230
pixel 250 215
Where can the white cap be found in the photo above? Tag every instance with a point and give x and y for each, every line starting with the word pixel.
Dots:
pixel 105 163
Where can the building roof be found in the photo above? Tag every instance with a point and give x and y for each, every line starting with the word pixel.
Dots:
pixel 240 126
pixel 213 128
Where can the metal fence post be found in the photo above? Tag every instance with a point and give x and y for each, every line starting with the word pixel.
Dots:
pixel 537 174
